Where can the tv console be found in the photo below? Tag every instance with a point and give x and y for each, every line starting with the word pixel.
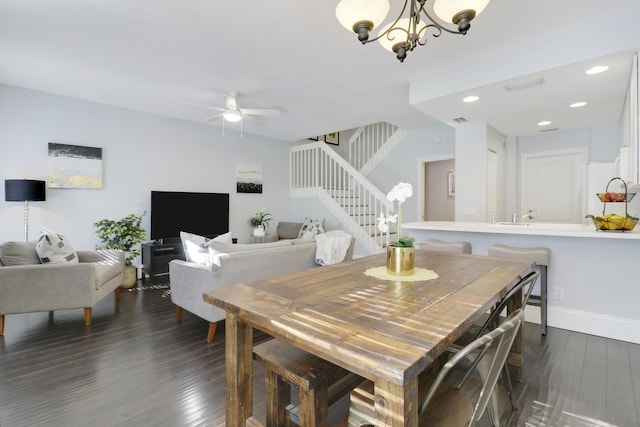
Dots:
pixel 156 256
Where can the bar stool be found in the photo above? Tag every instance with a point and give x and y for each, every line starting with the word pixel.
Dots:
pixel 439 245
pixel 541 257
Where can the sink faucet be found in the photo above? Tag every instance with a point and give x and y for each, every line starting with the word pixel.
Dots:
pixel 528 216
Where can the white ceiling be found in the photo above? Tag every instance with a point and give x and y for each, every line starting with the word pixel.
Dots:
pixel 155 55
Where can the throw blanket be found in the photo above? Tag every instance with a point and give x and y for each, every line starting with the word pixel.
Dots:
pixel 331 247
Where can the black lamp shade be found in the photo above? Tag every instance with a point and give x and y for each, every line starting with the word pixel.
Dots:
pixel 20 190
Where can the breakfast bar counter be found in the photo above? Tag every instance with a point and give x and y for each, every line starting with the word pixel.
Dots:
pixel 533 229
pixel 594 276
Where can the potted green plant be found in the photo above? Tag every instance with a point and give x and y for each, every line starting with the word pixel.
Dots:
pixel 125 234
pixel 259 222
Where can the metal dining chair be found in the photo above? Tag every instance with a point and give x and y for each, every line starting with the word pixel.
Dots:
pixel 442 403
pixel 525 286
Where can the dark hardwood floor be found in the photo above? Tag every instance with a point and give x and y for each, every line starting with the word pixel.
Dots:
pixel 137 366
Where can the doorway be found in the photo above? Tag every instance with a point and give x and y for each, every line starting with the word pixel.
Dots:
pixel 438 190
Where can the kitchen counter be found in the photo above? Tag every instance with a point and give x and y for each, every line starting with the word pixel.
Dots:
pixel 594 283
pixel 534 228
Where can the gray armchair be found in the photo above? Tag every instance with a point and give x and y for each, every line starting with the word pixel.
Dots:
pixel 27 286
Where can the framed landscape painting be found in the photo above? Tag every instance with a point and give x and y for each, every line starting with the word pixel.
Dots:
pixel 249 178
pixel 74 166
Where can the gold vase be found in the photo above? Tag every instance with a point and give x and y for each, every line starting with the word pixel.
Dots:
pixel 400 260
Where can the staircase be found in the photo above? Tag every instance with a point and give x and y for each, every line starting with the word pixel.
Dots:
pixel 370 144
pixel 318 171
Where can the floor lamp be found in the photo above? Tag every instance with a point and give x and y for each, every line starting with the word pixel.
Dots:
pixel 24 190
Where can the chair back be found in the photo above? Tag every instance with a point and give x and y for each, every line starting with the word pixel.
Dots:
pixel 525 285
pixel 501 339
pixel 440 246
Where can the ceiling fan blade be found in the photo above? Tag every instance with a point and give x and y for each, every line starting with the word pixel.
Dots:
pixel 204 106
pixel 260 112
pixel 208 119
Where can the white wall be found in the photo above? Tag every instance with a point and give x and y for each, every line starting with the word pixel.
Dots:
pixel 404 162
pixel 141 152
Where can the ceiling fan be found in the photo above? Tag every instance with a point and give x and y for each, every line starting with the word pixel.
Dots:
pixel 232 113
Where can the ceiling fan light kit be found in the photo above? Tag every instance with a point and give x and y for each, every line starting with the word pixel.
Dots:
pixel 402 35
pixel 232 116
pixel 231 113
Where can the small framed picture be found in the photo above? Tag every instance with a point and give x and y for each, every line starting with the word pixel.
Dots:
pixel 332 138
pixel 451 184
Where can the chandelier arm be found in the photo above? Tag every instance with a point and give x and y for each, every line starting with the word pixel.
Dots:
pixel 437 33
pixel 392 27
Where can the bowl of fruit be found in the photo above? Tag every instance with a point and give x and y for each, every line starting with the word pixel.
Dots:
pixel 613 222
pixel 611 196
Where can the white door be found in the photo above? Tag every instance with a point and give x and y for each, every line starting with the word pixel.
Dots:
pixel 551 181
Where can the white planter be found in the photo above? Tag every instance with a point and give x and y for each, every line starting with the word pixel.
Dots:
pixel 258 231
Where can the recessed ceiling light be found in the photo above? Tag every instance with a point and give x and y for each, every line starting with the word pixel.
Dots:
pixel 578 104
pixel 597 69
pixel 471 98
pixel 544 123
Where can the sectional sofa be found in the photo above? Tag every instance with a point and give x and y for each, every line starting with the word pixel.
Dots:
pixel 234 263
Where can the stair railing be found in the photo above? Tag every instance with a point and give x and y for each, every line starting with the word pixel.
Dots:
pixel 371 143
pixel 318 171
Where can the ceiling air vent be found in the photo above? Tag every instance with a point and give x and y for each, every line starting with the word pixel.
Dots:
pixel 524 84
pixel 460 120
pixel 549 130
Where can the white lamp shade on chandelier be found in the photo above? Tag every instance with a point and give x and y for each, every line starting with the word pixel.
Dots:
pixel 447 9
pixel 349 12
pixel 396 34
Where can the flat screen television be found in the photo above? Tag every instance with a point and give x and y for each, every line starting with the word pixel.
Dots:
pixel 205 214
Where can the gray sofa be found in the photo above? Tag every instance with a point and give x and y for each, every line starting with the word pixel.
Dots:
pixel 241 263
pixel 27 286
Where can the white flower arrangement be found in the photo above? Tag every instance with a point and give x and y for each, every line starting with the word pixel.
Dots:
pixel 400 193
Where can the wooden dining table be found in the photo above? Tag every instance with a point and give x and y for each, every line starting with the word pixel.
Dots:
pixel 387 331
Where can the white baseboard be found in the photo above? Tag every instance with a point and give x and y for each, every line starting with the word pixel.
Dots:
pixel 617 328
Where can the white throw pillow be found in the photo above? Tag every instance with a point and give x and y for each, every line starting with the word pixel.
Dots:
pixel 196 248
pixel 53 248
pixel 310 228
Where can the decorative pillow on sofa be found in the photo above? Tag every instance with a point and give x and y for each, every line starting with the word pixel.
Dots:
pixel 196 248
pixel 53 248
pixel 18 253
pixel 310 228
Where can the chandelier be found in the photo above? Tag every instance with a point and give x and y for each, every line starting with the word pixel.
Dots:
pixel 404 34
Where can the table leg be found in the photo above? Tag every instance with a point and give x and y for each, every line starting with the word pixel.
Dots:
pixel 239 371
pixel 278 397
pixel 396 406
